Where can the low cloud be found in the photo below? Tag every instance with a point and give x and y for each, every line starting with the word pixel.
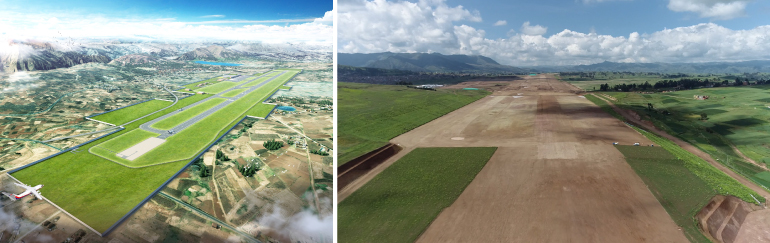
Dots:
pixel 52 26
pixel 533 30
pixel 306 226
pixel 328 18
pixel 213 16
pixel 18 81
pixel 715 9
pixel 501 23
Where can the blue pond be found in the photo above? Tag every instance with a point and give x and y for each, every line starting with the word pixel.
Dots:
pixel 286 108
pixel 218 63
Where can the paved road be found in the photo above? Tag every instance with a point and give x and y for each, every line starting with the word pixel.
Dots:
pixel 165 133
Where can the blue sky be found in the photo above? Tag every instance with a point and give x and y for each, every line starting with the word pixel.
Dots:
pixel 609 18
pixel 567 32
pixel 266 21
pixel 188 10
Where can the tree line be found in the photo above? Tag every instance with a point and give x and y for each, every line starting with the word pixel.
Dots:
pixel 684 83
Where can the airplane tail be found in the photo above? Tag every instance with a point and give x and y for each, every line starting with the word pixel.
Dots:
pixel 11 196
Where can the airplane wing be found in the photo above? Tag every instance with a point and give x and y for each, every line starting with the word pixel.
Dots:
pixel 37 195
pixel 24 186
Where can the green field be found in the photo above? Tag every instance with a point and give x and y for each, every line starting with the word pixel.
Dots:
pixel 736 115
pixel 188 142
pixel 680 191
pixel 260 110
pixel 128 114
pixel 233 93
pixel 285 87
pixel 398 204
pixel 370 115
pixel 193 85
pixel 79 182
pixel 219 87
pixel 716 179
pixel 255 82
pixel 125 141
pixel 185 115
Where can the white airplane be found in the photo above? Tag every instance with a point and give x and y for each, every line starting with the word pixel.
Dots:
pixel 29 190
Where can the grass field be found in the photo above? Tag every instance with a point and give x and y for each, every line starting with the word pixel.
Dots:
pixel 125 141
pixel 80 182
pixel 188 142
pixel 128 114
pixel 716 179
pixel 219 87
pixel 736 115
pixel 185 115
pixel 232 93
pixel 285 87
pixel 260 110
pixel 399 203
pixel 255 82
pixel 193 85
pixel 680 191
pixel 370 115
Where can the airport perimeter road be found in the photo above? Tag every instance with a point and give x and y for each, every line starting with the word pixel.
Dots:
pixel 165 133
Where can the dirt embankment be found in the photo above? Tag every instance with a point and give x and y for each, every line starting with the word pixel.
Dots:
pixel 724 217
pixel 358 167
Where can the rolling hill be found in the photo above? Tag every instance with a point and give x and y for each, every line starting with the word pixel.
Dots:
pixel 426 62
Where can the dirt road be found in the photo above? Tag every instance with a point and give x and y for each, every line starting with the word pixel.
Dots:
pixel 690 148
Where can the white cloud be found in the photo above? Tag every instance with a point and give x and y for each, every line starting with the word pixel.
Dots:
pixel 501 23
pixel 533 30
pixel 423 26
pixel 213 16
pixel 376 26
pixel 328 18
pixel 55 26
pixel 716 9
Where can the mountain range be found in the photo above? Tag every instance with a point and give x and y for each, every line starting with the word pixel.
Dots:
pixel 38 55
pixel 700 68
pixel 426 62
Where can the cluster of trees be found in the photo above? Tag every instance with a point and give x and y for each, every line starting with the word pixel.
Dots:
pixel 319 152
pixel 202 169
pixel 272 145
pixel 685 83
pixel 221 156
pixel 325 102
pixel 249 170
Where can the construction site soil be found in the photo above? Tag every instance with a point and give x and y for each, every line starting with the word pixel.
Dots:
pixel 555 176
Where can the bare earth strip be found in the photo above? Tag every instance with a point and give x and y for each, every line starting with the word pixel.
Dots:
pixel 555 177
pixel 141 148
